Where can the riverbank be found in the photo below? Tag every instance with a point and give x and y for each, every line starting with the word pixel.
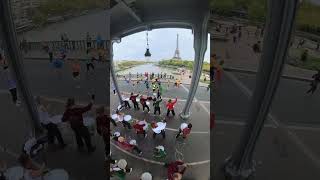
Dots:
pixel 124 65
pixel 183 64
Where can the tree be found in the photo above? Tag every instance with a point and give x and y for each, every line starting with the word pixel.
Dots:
pixel 257 10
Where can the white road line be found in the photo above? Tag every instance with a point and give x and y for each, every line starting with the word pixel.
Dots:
pixel 291 135
pixel 196 100
pixel 152 161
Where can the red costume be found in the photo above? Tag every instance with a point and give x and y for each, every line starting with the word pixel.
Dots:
pixel 173 168
pixel 170 105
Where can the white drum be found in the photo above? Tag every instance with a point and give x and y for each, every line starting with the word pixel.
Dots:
pixel 154 94
pixel 161 126
pixel 57 119
pixel 148 103
pixel 114 116
pixel 14 173
pixel 138 99
pixel 133 142
pixel 127 118
pixel 126 99
pixel 56 174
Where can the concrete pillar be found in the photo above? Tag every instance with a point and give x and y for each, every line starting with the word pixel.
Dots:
pixel 281 15
pixel 200 46
pixel 13 53
pixel 113 74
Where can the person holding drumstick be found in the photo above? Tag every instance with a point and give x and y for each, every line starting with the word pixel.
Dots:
pixel 170 106
pixel 73 114
pixel 139 126
pixel 143 102
pixel 184 130
pixel 134 101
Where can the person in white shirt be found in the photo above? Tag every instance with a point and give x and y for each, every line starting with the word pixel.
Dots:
pixel 52 129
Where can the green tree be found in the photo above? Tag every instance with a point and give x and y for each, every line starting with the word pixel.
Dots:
pixel 257 10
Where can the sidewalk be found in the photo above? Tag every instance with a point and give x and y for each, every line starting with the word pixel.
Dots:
pixel 243 59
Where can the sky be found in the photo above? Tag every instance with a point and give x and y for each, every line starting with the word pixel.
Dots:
pixel 162 43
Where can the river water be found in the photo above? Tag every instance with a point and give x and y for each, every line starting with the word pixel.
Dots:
pixel 147 68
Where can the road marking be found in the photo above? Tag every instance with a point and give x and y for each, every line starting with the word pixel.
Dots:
pixel 155 162
pixel 196 100
pixel 291 135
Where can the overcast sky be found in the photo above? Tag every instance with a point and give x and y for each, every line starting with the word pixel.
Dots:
pixel 162 44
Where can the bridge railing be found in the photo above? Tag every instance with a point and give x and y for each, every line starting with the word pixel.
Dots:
pixel 69 45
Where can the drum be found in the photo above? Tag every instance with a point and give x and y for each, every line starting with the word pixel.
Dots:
pixel 56 174
pixel 148 103
pixel 155 94
pixel 57 119
pixel 14 173
pixel 138 99
pixel 126 99
pixel 133 142
pixel 90 123
pixel 160 126
pixel 127 118
pixel 114 116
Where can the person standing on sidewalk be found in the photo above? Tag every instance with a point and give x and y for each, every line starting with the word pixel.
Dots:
pixel 73 115
pixel 12 86
pixel 170 106
pixel 52 129
pixel 156 105
pixel 133 98
pixel 50 53
pixel 89 40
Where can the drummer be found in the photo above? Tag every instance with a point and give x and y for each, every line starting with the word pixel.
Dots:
pixel 52 129
pixel 126 101
pixel 131 146
pixel 134 101
pixel 140 127
pixel 143 102
pixel 115 135
pixel 158 130
pixel 184 130
pixel 121 119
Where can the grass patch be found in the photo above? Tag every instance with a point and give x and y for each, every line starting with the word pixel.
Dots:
pixel 312 62
pixel 123 65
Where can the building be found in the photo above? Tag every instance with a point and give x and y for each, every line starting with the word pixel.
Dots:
pixel 20 11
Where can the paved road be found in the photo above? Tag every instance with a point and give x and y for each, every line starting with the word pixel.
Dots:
pixel 293 146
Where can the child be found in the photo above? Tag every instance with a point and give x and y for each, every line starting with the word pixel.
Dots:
pixel 184 130
pixel 75 67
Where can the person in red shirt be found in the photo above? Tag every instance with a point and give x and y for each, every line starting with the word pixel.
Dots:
pixel 73 115
pixel 184 130
pixel 134 101
pixel 103 127
pixel 139 127
pixel 143 102
pixel 174 168
pixel 170 106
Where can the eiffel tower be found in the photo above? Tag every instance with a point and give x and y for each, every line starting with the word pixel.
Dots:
pixel 177 52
